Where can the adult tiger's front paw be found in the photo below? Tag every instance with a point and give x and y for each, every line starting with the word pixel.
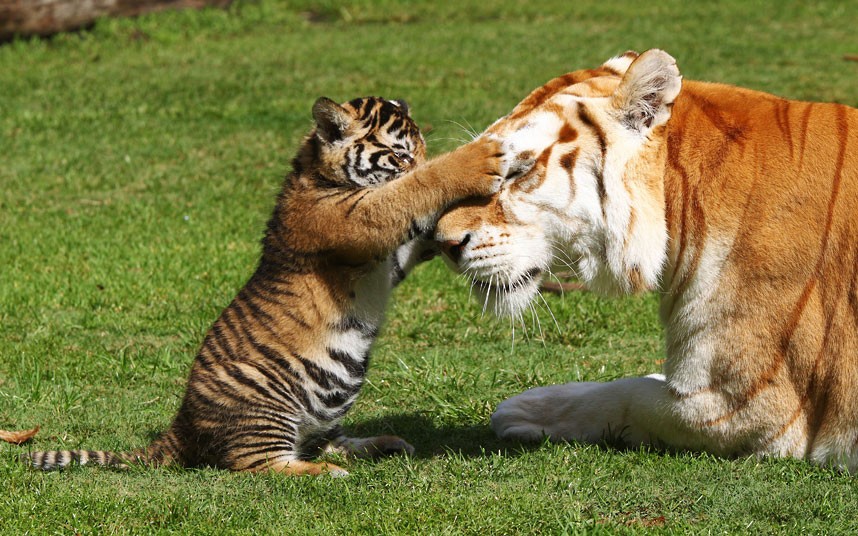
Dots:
pixel 578 411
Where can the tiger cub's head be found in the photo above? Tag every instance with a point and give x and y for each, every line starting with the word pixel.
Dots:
pixel 594 200
pixel 364 142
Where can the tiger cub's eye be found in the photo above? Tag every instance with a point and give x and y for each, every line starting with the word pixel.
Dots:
pixel 404 158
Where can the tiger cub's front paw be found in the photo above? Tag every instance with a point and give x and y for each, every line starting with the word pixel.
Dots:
pixel 483 165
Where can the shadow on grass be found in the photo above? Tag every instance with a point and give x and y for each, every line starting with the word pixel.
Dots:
pixel 430 440
pixel 477 440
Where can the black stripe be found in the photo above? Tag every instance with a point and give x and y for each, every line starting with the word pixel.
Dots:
pixel 296 386
pixel 334 399
pixel 266 446
pixel 225 322
pixel 385 111
pixel 240 313
pixel 276 415
pixel 279 385
pixel 256 312
pixel 352 160
pixel 260 294
pixel 376 156
pixel 219 338
pixel 414 230
pixel 586 118
pixel 355 204
pixel 324 183
pixel 222 390
pixel 260 452
pixel 349 195
pixel 238 375
pixel 268 431
pixel 324 378
pixel 398 273
pixel 599 168
pixel 373 120
pixel 284 386
pixel 353 366
pixel 350 323
pixel 216 352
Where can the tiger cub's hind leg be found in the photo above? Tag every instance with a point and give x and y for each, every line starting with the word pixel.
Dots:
pixel 300 468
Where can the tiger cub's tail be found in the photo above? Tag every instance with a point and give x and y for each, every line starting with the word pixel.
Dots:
pixel 48 460
pixel 162 451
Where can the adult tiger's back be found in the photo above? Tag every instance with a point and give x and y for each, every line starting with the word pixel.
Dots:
pixel 738 206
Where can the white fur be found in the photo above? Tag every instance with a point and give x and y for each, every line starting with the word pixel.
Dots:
pixel 633 410
pixel 372 293
pixel 622 62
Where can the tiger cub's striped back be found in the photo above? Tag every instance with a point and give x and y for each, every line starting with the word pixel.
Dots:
pixel 286 359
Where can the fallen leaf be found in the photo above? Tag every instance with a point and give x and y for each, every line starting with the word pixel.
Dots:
pixel 18 437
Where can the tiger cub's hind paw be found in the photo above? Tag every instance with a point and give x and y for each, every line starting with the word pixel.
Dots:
pixel 373 447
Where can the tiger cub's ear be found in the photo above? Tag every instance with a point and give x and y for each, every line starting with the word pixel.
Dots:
pixel 403 106
pixel 332 120
pixel 645 95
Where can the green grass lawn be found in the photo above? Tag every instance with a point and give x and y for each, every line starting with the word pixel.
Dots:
pixel 138 164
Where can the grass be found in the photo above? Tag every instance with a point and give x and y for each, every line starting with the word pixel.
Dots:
pixel 138 164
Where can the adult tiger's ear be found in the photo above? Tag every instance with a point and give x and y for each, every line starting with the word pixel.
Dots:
pixel 331 119
pixel 620 64
pixel 646 93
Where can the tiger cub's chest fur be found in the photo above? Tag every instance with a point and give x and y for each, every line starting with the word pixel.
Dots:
pixel 350 337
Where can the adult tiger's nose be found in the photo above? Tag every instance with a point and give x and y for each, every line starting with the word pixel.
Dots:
pixel 453 248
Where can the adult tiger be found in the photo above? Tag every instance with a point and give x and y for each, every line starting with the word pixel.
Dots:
pixel 740 208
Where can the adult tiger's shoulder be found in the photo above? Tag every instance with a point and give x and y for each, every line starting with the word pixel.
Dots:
pixel 737 206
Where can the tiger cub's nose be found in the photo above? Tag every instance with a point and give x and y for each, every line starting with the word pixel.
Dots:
pixel 453 248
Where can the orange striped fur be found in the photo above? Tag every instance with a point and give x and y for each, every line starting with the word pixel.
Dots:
pixel 286 359
pixel 738 207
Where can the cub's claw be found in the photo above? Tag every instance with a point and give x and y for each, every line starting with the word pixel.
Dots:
pixel 511 163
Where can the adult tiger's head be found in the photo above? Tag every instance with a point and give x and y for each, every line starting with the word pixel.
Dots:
pixel 363 142
pixel 594 198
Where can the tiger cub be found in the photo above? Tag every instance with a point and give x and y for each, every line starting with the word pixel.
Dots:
pixel 287 358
